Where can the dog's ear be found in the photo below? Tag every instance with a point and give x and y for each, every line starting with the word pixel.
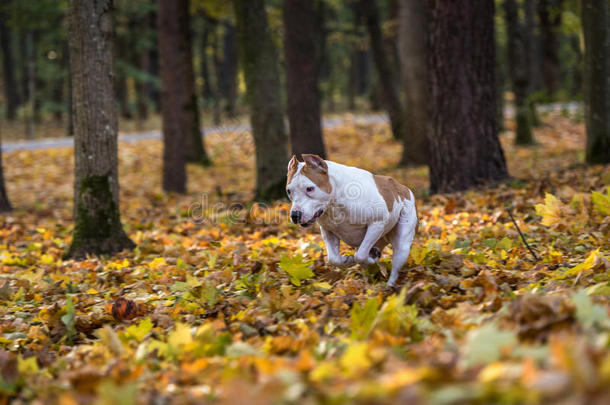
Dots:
pixel 315 162
pixel 293 165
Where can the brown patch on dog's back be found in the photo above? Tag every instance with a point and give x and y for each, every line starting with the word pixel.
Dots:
pixel 391 190
pixel 320 178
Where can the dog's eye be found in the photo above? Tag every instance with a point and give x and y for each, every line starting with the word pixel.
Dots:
pixel 309 189
pixel 288 191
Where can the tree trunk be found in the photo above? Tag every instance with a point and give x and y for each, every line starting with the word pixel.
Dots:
pixel 31 82
pixel 205 64
pixel 385 73
pixel 260 63
pixel 518 71
pixel 412 30
pixel 550 21
pixel 217 71
pixel 122 95
pixel 8 67
pixel 70 126
pixel 229 68
pixel 181 128
pixel 5 205
pixel 97 228
pixel 532 55
pixel 464 147
pixel 596 27
pixel 303 95
pixel 153 68
pixel 142 86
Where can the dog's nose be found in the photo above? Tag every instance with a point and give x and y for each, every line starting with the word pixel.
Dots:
pixel 296 216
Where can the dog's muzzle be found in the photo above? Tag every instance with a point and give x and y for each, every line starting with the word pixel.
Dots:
pixel 313 219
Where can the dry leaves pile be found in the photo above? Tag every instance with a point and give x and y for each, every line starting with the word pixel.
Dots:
pixel 227 302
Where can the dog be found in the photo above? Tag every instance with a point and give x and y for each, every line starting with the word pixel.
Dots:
pixel 352 205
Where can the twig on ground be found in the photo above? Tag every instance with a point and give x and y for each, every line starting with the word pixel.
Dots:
pixel 510 214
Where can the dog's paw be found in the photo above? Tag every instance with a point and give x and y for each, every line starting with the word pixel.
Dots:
pixel 343 261
pixel 364 259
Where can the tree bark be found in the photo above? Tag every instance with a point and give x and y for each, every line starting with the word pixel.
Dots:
pixel 532 43
pixel 205 64
pixel 182 138
pixel 412 31
pixel 31 83
pixel 5 205
pixel 596 27
pixel 518 72
pixel 8 67
pixel 385 73
pixel 303 95
pixel 229 68
pixel 549 16
pixel 260 63
pixel 464 147
pixel 97 228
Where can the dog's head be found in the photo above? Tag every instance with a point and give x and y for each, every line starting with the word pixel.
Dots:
pixel 308 187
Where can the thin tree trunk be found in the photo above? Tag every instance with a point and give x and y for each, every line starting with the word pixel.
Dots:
pixel 8 67
pixel 260 63
pixel 464 147
pixel 518 72
pixel 532 43
pixel 181 127
pixel 412 51
pixel 142 86
pixel 217 71
pixel 70 126
pixel 303 95
pixel 550 21
pixel 205 64
pixel 153 68
pixel 229 68
pixel 385 73
pixel 31 82
pixel 596 27
pixel 97 228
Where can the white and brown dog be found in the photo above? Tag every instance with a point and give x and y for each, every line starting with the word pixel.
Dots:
pixel 364 210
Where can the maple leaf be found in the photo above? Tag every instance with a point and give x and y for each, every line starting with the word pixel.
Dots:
pixel 550 211
pixel 296 268
pixel 602 201
pixel 362 318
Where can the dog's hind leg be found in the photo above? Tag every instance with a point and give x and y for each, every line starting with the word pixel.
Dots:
pixel 402 238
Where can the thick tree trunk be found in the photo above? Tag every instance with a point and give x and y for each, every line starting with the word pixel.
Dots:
pixel 385 72
pixel 8 68
pixel 518 72
pixel 229 69
pixel 303 95
pixel 464 146
pixel 181 129
pixel 260 63
pixel 596 27
pixel 549 16
pixel 412 31
pixel 97 228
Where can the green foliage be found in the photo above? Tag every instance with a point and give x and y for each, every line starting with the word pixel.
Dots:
pixel 296 268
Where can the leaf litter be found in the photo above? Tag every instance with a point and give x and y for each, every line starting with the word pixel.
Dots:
pixel 225 300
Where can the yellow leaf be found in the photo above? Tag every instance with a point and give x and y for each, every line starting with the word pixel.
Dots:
pixel 181 335
pixel 159 261
pixel 602 201
pixel 550 211
pixel 588 264
pixel 355 360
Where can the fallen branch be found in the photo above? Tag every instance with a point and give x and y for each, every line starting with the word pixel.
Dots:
pixel 510 214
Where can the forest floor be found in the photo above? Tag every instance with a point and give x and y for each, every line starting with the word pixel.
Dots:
pixel 225 301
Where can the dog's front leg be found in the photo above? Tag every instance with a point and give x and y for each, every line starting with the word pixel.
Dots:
pixel 332 250
pixel 373 232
